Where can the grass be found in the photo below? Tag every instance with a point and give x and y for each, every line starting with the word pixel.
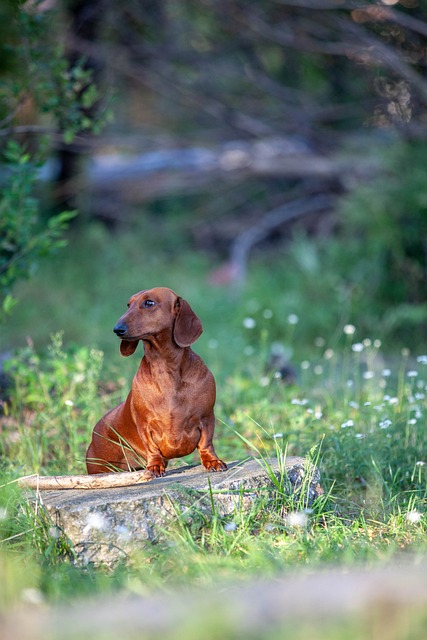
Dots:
pixel 359 411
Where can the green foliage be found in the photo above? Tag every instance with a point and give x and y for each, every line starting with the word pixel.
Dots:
pixel 381 247
pixel 36 69
pixel 23 238
pixel 54 402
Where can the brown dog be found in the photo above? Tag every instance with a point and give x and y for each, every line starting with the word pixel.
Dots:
pixel 169 410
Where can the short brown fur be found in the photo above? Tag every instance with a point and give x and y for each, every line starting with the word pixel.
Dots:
pixel 169 411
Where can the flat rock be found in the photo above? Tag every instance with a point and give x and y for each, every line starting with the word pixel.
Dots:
pixel 106 525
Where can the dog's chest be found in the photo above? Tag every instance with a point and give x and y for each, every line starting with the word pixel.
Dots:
pixel 168 400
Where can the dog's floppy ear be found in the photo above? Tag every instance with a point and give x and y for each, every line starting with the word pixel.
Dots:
pixel 188 326
pixel 127 347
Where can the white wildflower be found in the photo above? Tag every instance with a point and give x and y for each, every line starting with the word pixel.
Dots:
pixel 249 323
pixel 297 519
pixel 95 521
pixel 357 347
pixel 230 526
pixel 293 318
pixel 349 329
pixel 32 596
pixel 413 516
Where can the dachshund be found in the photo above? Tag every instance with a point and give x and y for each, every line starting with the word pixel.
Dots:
pixel 169 411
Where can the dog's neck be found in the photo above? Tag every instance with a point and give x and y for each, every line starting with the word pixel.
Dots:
pixel 159 351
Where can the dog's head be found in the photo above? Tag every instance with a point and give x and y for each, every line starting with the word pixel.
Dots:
pixel 157 313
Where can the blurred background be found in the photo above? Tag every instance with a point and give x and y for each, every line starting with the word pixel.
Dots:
pixel 266 160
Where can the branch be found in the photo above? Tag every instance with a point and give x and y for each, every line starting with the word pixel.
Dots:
pixel 285 213
pixel 95 481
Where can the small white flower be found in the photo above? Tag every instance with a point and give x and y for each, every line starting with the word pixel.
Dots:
pixel 412 421
pixel 318 414
pixel 420 463
pixel 249 323
pixel 293 318
pixel 297 519
pixel 385 424
pixel 386 373
pixel 353 404
pixel 359 436
pixel 329 354
pixel 367 342
pixel 69 403
pixel 264 381
pixel 347 423
pixel 3 513
pixel 123 533
pixel 377 344
pixel 413 516
pixel 32 596
pixel 305 364
pixel 277 435
pixel 318 370
pixel 95 521
pixel 349 329
pixel 393 401
pixel 368 375
pixel 230 526
pixel 268 314
pixel 357 347
pixel 422 359
pixel 367 404
pixel 319 342
pixel 412 374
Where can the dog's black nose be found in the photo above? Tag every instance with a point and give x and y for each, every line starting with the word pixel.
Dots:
pixel 120 330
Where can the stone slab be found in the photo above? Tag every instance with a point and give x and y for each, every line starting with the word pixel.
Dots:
pixel 105 525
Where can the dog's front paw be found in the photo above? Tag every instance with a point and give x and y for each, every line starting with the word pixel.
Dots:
pixel 158 470
pixel 215 465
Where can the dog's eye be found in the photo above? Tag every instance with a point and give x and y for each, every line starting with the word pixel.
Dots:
pixel 148 303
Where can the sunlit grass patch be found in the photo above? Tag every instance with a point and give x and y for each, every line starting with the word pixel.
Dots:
pixel 356 416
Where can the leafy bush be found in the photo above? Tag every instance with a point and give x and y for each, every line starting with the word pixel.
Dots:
pixel 36 72
pixel 382 244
